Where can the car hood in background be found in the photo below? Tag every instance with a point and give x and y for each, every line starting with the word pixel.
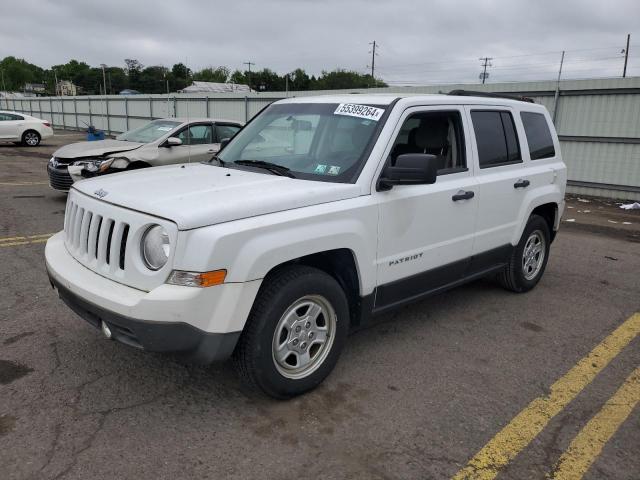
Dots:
pixel 198 195
pixel 99 148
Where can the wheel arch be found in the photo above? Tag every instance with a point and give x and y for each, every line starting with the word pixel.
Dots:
pixel 544 203
pixel 136 164
pixel 339 263
pixel 549 212
pixel 27 130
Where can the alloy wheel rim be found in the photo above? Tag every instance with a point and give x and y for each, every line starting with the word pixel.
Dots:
pixel 304 336
pixel 533 255
pixel 31 139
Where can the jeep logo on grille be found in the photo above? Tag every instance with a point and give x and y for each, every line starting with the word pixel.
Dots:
pixel 101 193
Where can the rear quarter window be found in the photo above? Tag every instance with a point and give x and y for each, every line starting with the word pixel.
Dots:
pixel 496 138
pixel 538 135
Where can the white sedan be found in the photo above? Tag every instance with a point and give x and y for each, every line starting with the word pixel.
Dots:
pixel 25 129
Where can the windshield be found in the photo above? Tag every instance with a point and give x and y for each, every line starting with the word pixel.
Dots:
pixel 315 141
pixel 150 132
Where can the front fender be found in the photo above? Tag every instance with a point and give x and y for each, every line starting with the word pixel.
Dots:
pixel 252 247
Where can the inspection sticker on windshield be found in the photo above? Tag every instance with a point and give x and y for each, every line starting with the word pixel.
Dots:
pixel 360 111
pixel 164 129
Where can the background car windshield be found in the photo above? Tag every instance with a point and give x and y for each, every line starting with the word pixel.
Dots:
pixel 313 140
pixel 150 132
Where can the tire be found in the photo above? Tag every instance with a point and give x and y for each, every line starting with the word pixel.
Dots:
pixel 295 307
pixel 524 270
pixel 31 138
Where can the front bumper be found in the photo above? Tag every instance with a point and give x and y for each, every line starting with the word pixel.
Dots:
pixel 191 343
pixel 201 324
pixel 59 178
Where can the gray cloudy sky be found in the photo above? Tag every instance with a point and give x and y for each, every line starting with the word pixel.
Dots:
pixel 420 41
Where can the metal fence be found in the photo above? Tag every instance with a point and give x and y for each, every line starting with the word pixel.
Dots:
pixel 598 120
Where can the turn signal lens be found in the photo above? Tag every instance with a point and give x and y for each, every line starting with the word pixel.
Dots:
pixel 197 279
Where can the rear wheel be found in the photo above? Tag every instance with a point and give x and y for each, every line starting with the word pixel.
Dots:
pixel 31 138
pixel 294 335
pixel 529 259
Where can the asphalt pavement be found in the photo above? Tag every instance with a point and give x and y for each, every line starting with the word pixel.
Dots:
pixel 474 383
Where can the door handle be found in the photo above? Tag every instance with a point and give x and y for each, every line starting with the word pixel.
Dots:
pixel 462 195
pixel 521 184
pixel 211 150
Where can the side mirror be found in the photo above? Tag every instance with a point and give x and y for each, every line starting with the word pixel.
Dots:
pixel 410 169
pixel 173 142
pixel 224 142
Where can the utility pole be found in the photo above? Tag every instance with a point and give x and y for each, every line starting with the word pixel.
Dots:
pixel 373 59
pixel 557 94
pixel 626 56
pixel 486 62
pixel 248 64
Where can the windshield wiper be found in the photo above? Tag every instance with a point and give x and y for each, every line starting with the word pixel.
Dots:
pixel 272 167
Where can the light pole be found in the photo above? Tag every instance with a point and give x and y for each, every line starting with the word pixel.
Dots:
pixel 104 79
pixel 55 79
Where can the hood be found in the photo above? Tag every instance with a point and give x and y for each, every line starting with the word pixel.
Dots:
pixel 197 195
pixel 95 149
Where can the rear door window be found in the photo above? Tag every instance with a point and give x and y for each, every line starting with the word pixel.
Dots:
pixel 538 135
pixel 496 138
pixel 226 131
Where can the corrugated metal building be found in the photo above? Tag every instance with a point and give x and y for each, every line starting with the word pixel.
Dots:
pixel 598 120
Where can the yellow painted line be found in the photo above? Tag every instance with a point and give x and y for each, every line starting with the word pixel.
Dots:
pixel 25 237
pixel 28 242
pixel 525 426
pixel 588 444
pixel 8 239
pixel 24 240
pixel 22 184
pixel 42 235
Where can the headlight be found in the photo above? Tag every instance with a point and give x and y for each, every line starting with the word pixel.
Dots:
pixel 155 247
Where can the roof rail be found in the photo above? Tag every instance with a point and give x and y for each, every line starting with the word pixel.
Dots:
pixel 470 93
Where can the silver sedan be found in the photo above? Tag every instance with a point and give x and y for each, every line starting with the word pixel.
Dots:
pixel 159 142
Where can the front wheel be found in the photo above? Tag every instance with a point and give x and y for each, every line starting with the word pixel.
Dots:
pixel 31 138
pixel 294 335
pixel 529 258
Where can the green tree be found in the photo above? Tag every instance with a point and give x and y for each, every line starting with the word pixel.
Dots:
pixel 180 77
pixel 153 79
pixel 238 77
pixel 17 71
pixel 212 74
pixel 133 69
pixel 345 79
pixel 299 80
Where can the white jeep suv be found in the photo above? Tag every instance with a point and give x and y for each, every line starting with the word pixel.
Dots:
pixel 321 213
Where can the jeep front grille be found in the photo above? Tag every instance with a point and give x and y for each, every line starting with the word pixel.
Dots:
pixel 106 238
pixel 99 239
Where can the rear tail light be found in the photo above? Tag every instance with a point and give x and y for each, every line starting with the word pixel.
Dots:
pixel 46 124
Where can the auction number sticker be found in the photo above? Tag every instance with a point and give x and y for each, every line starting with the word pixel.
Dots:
pixel 360 111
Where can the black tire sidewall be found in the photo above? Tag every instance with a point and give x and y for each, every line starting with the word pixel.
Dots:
pixel 267 376
pixel 535 223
